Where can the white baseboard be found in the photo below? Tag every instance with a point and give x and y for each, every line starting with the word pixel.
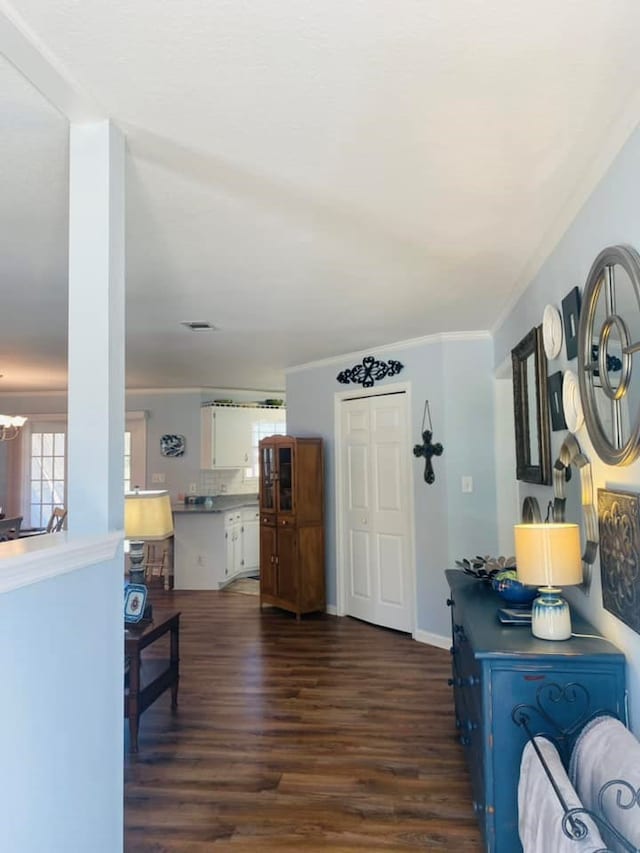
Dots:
pixel 331 609
pixel 430 639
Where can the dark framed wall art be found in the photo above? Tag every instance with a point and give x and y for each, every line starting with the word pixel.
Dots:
pixel 570 318
pixel 531 409
pixel 556 408
pixel 619 524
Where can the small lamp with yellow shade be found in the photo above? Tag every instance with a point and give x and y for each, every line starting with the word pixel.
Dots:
pixel 548 556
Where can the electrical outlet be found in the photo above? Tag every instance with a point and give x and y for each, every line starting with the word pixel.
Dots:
pixel 157 478
pixel 193 488
pixel 223 488
pixel 467 484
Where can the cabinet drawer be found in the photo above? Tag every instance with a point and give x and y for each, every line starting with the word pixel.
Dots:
pixel 286 521
pixel 267 520
pixel 232 518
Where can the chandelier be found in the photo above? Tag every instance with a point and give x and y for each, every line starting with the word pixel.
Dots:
pixel 10 426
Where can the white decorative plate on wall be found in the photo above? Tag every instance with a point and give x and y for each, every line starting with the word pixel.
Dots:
pixel 571 403
pixel 172 445
pixel 551 331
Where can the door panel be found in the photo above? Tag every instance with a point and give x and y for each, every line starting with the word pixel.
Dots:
pixel 286 564
pixel 268 552
pixel 358 479
pixel 375 491
pixel 387 482
pixel 359 551
pixel 390 553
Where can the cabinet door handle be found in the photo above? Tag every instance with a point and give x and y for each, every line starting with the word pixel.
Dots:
pixel 449 602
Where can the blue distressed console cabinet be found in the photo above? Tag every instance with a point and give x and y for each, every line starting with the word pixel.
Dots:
pixel 496 668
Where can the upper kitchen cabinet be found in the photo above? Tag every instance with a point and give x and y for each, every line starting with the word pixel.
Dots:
pixel 230 434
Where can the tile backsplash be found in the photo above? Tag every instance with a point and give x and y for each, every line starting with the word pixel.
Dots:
pixel 229 481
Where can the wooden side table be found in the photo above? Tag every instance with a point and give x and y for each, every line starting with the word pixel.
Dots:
pixel 148 679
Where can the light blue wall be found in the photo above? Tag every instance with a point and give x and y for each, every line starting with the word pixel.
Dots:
pixel 167 412
pixel 455 376
pixel 177 413
pixel 610 216
pixel 61 738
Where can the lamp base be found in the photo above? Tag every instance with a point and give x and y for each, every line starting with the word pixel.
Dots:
pixel 550 616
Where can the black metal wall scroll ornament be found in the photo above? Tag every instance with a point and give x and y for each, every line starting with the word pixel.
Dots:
pixel 371 370
pixel 427 448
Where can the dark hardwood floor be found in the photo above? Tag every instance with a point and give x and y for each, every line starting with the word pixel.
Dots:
pixel 323 734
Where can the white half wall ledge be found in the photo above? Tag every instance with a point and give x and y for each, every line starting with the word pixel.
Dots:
pixel 38 558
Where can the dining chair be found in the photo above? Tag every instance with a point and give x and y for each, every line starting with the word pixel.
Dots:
pixel 54 525
pixel 10 528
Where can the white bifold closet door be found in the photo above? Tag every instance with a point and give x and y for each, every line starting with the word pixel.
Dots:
pixel 375 510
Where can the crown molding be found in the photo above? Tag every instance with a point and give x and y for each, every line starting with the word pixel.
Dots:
pixel 438 338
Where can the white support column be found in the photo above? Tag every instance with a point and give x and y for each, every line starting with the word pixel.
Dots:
pixel 96 329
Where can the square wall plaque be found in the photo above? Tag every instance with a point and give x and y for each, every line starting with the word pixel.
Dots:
pixel 570 317
pixel 554 389
pixel 619 523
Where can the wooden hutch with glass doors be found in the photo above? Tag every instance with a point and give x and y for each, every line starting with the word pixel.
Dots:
pixel 292 524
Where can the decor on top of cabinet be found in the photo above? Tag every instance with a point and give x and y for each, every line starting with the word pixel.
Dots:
pixel 531 412
pixel 571 404
pixel 571 316
pixel 172 445
pixel 608 343
pixel 554 385
pixel 573 500
pixel 551 331
pixel 485 568
pixel 370 371
pixel 427 448
pixel 531 511
pixel 511 590
pixel 619 520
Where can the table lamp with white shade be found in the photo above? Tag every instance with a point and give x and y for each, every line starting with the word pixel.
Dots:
pixel 548 556
pixel 147 518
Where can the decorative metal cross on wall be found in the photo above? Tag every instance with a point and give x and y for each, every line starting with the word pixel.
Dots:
pixel 427 448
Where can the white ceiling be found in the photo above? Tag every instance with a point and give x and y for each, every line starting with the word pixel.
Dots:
pixel 314 178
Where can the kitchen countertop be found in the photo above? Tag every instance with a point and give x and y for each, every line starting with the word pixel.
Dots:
pixel 221 503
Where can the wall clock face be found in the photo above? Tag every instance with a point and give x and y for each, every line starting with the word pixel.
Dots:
pixel 172 445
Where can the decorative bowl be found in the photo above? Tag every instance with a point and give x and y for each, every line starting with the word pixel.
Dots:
pixel 485 568
pixel 508 587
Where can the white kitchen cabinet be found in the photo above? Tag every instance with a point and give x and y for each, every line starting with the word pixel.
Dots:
pixel 230 434
pixel 251 540
pixel 233 544
pixel 226 437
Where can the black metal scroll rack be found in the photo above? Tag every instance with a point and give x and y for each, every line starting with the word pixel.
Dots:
pixel 550 697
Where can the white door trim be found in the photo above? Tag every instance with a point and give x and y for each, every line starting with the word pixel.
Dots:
pixel 341 577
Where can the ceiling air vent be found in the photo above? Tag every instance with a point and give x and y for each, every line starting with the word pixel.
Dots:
pixel 199 326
